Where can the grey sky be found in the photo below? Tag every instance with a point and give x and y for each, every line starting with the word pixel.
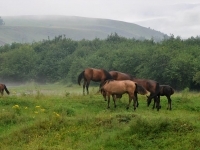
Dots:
pixel 177 17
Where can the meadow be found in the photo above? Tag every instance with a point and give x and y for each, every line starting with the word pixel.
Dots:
pixel 59 117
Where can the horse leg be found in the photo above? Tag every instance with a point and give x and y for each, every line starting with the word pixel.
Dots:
pixel 108 101
pixel 130 99
pixel 149 100
pixel 136 98
pixel 104 95
pixel 158 103
pixel 114 100
pixel 87 86
pixel 100 85
pixel 1 92
pixel 134 102
pixel 169 103
pixel 84 87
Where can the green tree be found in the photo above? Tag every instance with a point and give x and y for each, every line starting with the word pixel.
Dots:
pixel 19 64
pixel 196 77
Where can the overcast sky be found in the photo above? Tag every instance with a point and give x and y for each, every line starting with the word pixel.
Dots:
pixel 177 17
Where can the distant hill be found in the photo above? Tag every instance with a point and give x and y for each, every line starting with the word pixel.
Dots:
pixel 27 29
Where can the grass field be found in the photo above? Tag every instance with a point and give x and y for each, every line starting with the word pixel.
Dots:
pixel 59 117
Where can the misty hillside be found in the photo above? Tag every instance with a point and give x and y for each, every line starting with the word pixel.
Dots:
pixel 36 28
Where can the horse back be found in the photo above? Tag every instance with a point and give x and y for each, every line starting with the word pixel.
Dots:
pixel 92 74
pixel 120 75
pixel 119 87
pixel 166 90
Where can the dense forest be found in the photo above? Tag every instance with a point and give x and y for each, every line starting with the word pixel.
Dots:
pixel 173 61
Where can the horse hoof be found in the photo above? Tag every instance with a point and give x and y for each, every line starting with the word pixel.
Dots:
pixel 105 99
pixel 127 108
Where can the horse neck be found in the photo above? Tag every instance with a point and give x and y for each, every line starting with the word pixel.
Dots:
pixel 107 75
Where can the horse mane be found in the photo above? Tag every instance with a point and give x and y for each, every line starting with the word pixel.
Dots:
pixel 107 74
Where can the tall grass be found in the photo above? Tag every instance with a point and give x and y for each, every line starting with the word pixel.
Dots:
pixel 60 118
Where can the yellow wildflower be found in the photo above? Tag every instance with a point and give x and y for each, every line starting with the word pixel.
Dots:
pixel 42 110
pixel 56 114
pixel 16 106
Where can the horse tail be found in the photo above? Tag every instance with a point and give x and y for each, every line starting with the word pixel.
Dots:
pixel 157 91
pixel 80 77
pixel 6 89
pixel 140 89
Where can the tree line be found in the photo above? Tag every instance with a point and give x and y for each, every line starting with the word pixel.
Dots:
pixel 172 61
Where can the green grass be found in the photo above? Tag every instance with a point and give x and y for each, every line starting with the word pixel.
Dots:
pixel 58 117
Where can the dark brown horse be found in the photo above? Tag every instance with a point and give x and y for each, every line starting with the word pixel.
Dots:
pixel 2 88
pixel 116 75
pixel 151 86
pixel 114 88
pixel 92 74
pixel 166 90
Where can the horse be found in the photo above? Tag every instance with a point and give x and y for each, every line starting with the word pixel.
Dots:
pixel 151 86
pixel 116 75
pixel 2 88
pixel 166 90
pixel 92 74
pixel 118 88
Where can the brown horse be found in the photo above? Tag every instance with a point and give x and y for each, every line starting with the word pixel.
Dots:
pixel 166 90
pixel 151 86
pixel 92 74
pixel 2 88
pixel 116 75
pixel 114 88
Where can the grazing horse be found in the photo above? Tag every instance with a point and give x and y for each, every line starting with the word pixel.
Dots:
pixel 115 88
pixel 151 86
pixel 2 88
pixel 92 74
pixel 166 90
